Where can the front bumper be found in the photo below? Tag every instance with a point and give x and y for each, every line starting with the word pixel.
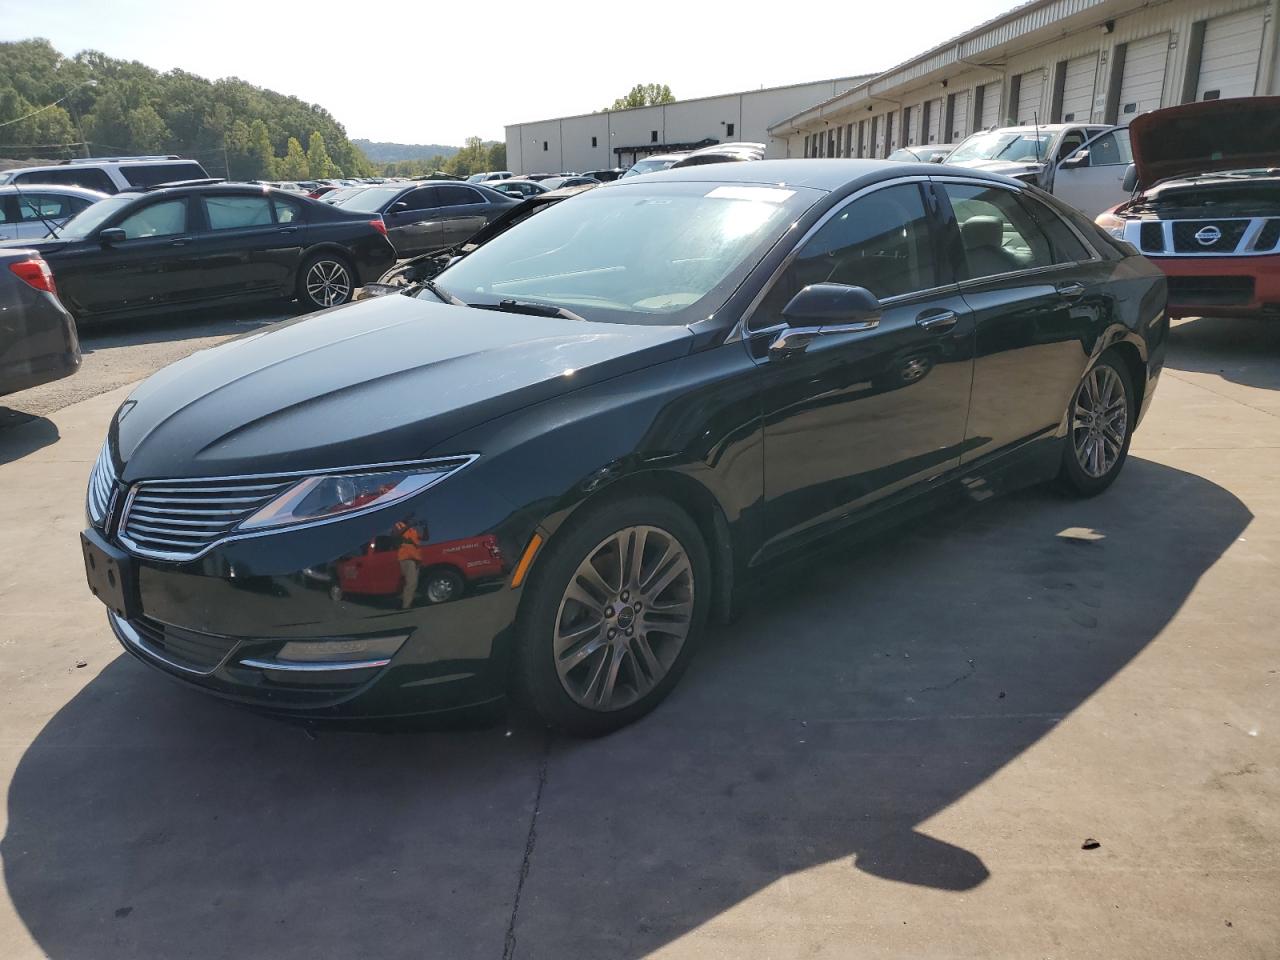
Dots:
pixel 1246 286
pixel 221 621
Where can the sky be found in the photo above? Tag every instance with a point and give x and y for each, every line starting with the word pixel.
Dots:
pixel 397 72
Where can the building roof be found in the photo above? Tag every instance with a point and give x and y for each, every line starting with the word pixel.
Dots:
pixel 990 39
pixel 857 79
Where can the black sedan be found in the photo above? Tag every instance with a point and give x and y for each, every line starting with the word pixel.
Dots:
pixel 210 244
pixel 422 217
pixel 551 466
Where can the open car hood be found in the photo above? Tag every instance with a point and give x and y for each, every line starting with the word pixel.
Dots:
pixel 1207 137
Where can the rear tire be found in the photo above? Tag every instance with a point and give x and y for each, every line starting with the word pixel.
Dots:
pixel 325 280
pixel 617 606
pixel 1099 428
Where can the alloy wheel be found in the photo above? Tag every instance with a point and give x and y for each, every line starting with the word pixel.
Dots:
pixel 1100 421
pixel 623 618
pixel 328 283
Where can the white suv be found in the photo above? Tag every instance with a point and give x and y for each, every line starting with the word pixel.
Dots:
pixel 109 174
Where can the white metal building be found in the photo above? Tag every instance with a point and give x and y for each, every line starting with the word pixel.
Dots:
pixel 1103 61
pixel 617 138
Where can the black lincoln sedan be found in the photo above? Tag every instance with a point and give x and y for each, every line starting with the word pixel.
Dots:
pixel 543 471
pixel 423 217
pixel 207 243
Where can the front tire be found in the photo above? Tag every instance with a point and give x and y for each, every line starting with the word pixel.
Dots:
pixel 617 606
pixel 325 280
pixel 1099 428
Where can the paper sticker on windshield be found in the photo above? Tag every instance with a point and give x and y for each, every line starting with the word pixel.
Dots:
pixel 759 194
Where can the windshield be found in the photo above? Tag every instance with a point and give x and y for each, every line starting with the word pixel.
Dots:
pixel 652 253
pixel 648 166
pixel 1002 146
pixel 370 200
pixel 93 217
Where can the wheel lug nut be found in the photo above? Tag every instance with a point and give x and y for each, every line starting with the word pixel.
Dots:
pixel 612 633
pixel 629 631
pixel 608 611
pixel 625 595
pixel 637 606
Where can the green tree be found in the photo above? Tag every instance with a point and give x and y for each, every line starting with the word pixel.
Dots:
pixel 262 159
pixel 147 132
pixel 498 156
pixel 644 95
pixel 294 164
pixel 318 161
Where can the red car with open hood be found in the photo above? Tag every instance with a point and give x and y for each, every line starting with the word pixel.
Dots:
pixel 1207 204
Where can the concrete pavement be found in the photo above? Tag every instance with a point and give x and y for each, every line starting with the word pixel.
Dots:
pixel 898 751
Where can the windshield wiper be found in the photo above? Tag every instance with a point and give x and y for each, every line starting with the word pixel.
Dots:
pixel 444 295
pixel 530 307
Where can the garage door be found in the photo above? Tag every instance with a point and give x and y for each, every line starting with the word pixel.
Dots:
pixel 1030 98
pixel 959 119
pixel 1142 85
pixel 1077 90
pixel 990 105
pixel 1229 60
pixel 933 124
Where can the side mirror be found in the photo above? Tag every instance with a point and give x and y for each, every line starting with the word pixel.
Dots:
pixel 1078 159
pixel 939 158
pixel 111 235
pixel 1130 182
pixel 823 309
pixel 398 207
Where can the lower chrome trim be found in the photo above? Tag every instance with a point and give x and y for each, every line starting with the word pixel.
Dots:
pixel 293 666
pixel 130 637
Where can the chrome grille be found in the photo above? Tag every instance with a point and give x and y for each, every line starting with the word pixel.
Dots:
pixel 1225 235
pixel 177 519
pixel 1269 238
pixel 102 484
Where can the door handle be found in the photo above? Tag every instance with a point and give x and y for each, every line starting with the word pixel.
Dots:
pixel 1071 290
pixel 937 322
pixel 288 229
pixel 179 241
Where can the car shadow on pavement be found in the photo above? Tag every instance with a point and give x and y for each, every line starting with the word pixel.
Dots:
pixel 1242 351
pixel 22 434
pixel 859 694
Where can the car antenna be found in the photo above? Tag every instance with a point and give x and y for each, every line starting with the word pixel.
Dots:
pixel 49 224
pixel 1035 119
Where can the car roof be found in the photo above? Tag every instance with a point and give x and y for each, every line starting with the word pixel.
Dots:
pixel 818 174
pixel 1045 128
pixel 72 191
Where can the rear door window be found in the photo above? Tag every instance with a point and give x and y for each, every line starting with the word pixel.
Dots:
pixel 287 211
pixel 452 196
pixel 164 219
pixel 1064 245
pixel 998 234
pixel 90 178
pixel 230 212
pixel 149 174
pixel 48 206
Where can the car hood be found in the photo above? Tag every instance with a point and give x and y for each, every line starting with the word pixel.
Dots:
pixel 374 382
pixel 1206 137
pixel 1008 168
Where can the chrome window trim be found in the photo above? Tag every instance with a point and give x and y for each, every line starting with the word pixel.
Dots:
pixel 742 329
pixel 463 461
pixel 1133 235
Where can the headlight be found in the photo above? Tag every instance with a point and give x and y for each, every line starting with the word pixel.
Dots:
pixel 1112 224
pixel 334 495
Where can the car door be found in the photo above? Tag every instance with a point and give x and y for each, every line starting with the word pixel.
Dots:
pixel 1092 178
pixel 463 211
pixel 415 227
pixel 1039 299
pixel 243 250
pixel 859 416
pixel 156 264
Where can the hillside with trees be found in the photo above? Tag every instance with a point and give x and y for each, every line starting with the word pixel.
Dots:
pixel 54 107
pixel 381 151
